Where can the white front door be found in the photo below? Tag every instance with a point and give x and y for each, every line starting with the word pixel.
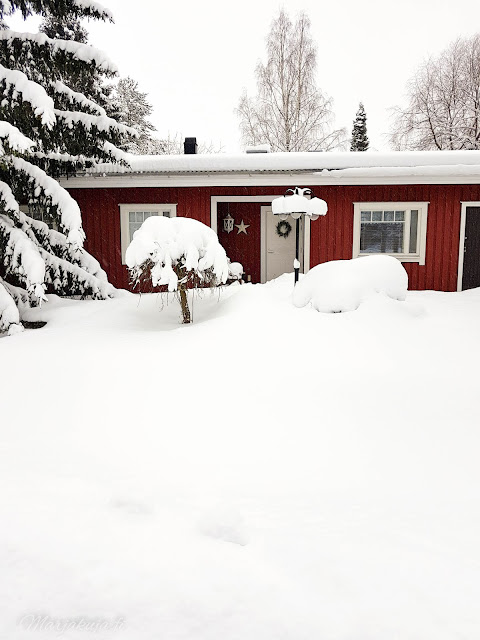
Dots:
pixel 278 251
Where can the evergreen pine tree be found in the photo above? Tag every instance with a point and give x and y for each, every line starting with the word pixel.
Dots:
pixel 48 129
pixel 133 111
pixel 92 82
pixel 64 27
pixel 360 140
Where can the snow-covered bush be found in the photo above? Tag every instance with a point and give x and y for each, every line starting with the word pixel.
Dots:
pixel 49 128
pixel 180 253
pixel 342 285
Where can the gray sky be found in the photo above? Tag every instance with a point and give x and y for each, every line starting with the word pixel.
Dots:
pixel 194 58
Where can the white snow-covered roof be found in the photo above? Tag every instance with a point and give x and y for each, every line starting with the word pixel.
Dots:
pixel 388 163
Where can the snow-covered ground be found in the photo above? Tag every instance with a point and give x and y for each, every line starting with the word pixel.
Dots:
pixel 269 473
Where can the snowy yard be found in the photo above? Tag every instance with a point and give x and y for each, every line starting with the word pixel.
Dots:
pixel 269 472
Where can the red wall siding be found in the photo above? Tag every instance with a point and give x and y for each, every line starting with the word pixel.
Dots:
pixel 241 247
pixel 331 237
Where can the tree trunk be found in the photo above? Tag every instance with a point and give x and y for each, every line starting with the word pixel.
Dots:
pixel 184 305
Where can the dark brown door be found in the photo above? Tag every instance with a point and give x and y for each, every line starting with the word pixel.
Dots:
pixel 471 258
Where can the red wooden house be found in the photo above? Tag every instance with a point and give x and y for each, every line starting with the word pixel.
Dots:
pixel 421 207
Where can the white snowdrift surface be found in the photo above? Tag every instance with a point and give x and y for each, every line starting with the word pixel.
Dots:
pixel 269 472
pixel 342 285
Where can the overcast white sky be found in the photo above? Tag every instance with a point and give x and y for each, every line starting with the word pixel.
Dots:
pixel 194 58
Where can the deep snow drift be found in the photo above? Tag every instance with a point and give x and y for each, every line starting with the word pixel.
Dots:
pixel 268 472
pixel 342 285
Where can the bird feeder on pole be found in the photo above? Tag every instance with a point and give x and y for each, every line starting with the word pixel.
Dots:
pixel 297 203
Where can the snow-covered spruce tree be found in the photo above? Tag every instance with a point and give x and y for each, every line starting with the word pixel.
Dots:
pixel 94 83
pixel 67 27
pixel 180 253
pixel 47 130
pixel 360 140
pixel 133 111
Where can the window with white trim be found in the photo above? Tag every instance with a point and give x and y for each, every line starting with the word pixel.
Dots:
pixel 397 229
pixel 132 216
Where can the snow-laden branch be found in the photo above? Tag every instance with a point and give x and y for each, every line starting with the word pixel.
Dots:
pixel 8 199
pixel 58 271
pixel 116 153
pixel 56 242
pixel 70 216
pixel 15 138
pixel 96 6
pixel 31 92
pixel 20 254
pixel 109 149
pixel 102 123
pixel 77 97
pixel 83 52
pixel 58 157
pixel 22 259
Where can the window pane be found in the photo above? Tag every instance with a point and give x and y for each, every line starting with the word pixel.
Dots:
pixel 377 216
pixel 131 216
pixel 366 216
pixel 399 216
pixel 166 214
pixel 412 248
pixel 388 216
pixel 134 226
pixel 381 237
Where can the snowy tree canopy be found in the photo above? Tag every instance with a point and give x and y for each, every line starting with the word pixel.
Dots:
pixel 443 110
pixel 289 112
pixel 179 253
pixel 133 111
pixel 359 141
pixel 48 128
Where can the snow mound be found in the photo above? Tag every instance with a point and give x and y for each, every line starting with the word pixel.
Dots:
pixel 168 241
pixel 9 316
pixel 224 523
pixel 342 285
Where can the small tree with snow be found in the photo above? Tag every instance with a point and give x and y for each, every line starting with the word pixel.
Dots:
pixel 48 129
pixel 360 140
pixel 181 254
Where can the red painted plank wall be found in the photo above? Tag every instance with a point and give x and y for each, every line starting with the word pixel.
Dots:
pixel 241 247
pixel 331 237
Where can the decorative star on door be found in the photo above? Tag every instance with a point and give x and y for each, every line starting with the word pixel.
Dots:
pixel 242 227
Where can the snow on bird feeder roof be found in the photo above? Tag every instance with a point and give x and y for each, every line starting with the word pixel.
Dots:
pixel 297 203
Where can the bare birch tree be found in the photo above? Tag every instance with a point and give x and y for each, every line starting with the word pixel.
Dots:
pixel 443 110
pixel 289 112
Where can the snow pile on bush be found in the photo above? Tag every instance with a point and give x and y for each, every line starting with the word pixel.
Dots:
pixel 180 253
pixel 342 285
pixel 169 241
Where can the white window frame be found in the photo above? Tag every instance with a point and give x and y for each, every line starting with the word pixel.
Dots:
pixel 421 207
pixel 125 209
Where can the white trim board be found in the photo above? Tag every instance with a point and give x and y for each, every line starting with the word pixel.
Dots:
pixel 214 200
pixel 461 244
